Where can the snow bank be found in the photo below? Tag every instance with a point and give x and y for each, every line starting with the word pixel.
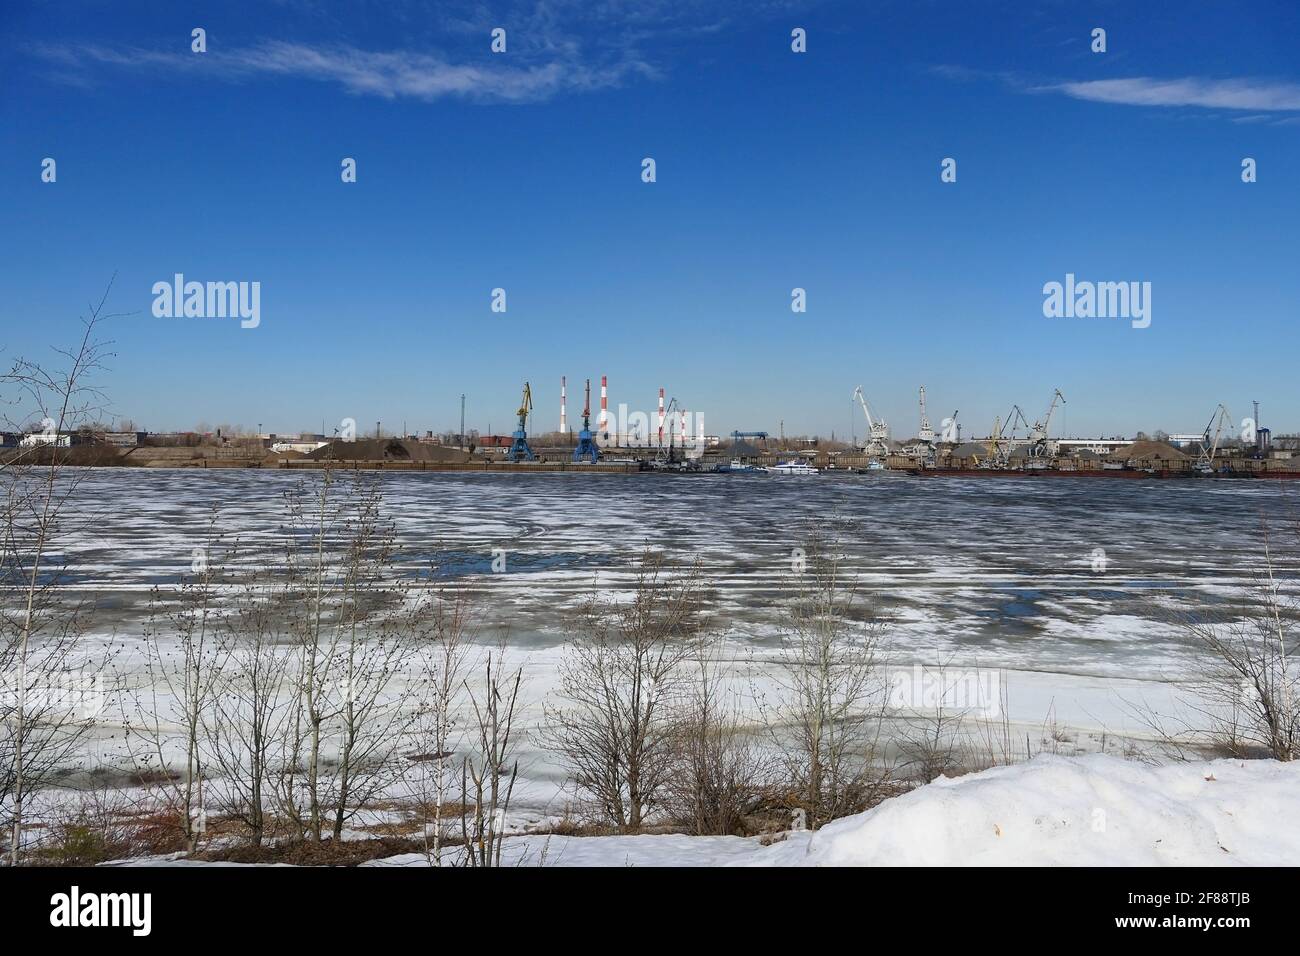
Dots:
pixel 1052 811
pixel 1076 811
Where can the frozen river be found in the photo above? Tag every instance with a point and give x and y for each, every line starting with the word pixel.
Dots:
pixel 1071 576
pixel 1066 589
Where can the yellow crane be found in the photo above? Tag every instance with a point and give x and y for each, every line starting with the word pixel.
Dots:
pixel 995 440
pixel 999 443
pixel 525 406
pixel 519 450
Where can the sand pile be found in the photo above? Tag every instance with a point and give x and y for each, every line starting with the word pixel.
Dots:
pixel 387 449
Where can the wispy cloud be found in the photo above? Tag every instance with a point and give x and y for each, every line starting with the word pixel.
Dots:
pixel 556 47
pixel 1241 94
pixel 387 74
pixel 1252 100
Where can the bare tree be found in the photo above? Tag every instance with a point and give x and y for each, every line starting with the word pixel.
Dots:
pixel 447 629
pixel 246 726
pixel 311 577
pixel 181 668
pixel 352 682
pixel 830 700
pixel 620 679
pixel 488 776
pixel 375 715
pixel 41 630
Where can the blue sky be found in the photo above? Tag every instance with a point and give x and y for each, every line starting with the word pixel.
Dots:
pixel 775 170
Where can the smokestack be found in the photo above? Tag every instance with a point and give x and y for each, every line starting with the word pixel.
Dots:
pixel 564 422
pixel 603 427
pixel 683 427
pixel 661 416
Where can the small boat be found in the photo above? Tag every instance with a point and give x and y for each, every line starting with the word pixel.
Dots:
pixel 738 467
pixel 792 468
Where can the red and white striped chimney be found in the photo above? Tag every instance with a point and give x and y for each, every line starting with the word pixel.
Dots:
pixel 661 416
pixel 683 427
pixel 564 422
pixel 603 427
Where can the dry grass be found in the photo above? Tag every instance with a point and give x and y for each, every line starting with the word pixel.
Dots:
pixel 311 853
pixel 96 832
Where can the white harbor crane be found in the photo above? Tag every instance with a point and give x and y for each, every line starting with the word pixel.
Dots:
pixel 878 442
pixel 926 434
pixel 1041 428
pixel 1205 460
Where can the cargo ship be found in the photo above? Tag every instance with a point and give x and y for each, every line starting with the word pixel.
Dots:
pixel 1130 473
pixel 1039 473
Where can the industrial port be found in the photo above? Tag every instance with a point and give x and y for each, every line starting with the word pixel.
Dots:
pixel 672 439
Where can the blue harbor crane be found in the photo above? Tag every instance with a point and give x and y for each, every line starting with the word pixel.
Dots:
pixel 586 444
pixel 519 450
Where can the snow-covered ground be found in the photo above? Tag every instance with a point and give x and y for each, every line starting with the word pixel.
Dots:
pixel 1051 811
pixel 1082 811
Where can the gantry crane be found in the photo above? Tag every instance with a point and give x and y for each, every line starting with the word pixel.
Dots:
pixel 878 443
pixel 586 444
pixel 519 450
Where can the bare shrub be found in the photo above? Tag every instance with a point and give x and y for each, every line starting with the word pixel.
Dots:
pixel 620 679
pixel 246 726
pixel 1245 693
pixel 447 629
pixel 955 722
pixel 488 776
pixel 352 682
pixel 933 747
pixel 826 718
pixel 181 658
pixel 719 773
pixel 103 824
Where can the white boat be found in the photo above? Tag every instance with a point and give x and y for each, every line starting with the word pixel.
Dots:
pixel 738 467
pixel 791 468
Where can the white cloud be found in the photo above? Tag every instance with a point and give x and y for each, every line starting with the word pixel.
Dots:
pixel 1244 94
pixel 388 74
